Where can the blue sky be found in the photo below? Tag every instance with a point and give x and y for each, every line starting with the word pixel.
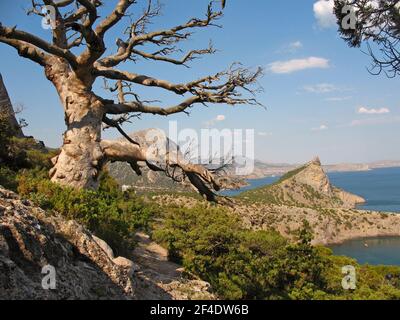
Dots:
pixel 319 96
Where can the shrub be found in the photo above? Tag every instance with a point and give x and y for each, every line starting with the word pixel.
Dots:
pixel 8 178
pixel 109 213
pixel 245 264
pixel 240 263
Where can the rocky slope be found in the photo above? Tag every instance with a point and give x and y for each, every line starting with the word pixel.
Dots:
pixel 32 241
pixel 7 110
pixel 151 181
pixel 148 181
pixel 305 194
pixel 307 186
pixel 330 225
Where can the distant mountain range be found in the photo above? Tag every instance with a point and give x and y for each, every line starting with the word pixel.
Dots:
pixel 154 181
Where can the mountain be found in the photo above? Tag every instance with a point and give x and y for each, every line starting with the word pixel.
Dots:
pixel 151 181
pixel 307 185
pixel 148 181
pixel 303 194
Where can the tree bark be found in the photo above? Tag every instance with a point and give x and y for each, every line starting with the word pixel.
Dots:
pixel 80 159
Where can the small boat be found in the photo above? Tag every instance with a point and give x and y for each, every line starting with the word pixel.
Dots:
pixel 366 245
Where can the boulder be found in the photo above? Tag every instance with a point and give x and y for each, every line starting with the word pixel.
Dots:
pixel 37 247
pixel 102 244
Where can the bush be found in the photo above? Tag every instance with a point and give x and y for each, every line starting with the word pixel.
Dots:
pixel 8 178
pixel 109 213
pixel 245 264
pixel 239 263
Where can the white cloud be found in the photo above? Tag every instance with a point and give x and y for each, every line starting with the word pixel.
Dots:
pixel 363 110
pixel 321 88
pixel 294 46
pixel 322 127
pixel 337 99
pixel 218 118
pixel 264 134
pixel 282 67
pixel 323 12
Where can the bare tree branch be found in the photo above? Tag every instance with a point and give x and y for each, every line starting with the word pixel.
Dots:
pixel 140 107
pixel 77 23
pixel 166 160
pixel 138 37
pixel 14 34
pixel 378 26
pixel 27 50
pixel 117 14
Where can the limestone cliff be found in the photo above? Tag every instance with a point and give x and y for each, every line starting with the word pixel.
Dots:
pixel 307 186
pixel 7 110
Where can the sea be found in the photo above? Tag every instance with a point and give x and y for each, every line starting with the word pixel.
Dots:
pixel 381 189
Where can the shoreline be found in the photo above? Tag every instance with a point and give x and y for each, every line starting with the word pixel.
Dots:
pixel 363 238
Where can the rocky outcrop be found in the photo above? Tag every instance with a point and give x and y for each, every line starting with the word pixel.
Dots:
pixel 7 110
pixel 307 186
pixel 32 242
pixel 159 278
pixel 314 176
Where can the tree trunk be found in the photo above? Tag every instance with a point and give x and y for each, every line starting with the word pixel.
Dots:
pixel 80 160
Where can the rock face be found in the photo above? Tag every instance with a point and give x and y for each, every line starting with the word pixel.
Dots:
pixel 307 186
pixel 7 109
pixel 148 181
pixel 31 239
pixel 314 176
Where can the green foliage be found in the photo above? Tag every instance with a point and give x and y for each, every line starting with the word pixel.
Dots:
pixel 245 264
pixel 8 178
pixel 239 263
pixel 373 282
pixel 109 213
pixel 5 133
pixel 9 154
pixel 17 153
pixel 290 174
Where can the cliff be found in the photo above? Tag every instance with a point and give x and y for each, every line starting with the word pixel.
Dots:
pixel 308 186
pixel 7 110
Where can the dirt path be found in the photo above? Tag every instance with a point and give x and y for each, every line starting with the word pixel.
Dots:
pixel 162 279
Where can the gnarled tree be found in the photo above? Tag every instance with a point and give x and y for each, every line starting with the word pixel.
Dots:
pixel 377 23
pixel 76 56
